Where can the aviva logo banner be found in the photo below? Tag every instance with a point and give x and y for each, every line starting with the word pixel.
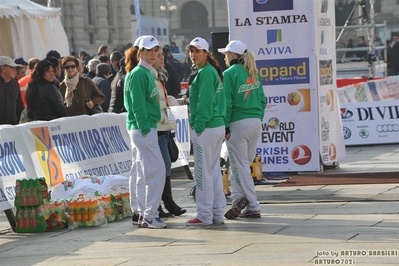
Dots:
pixel 274 36
pixel 48 158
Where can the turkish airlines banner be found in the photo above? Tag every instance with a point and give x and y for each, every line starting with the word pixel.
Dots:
pixel 282 36
pixel 71 147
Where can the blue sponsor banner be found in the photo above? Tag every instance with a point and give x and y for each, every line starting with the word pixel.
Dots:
pixel 284 71
pixel 272 5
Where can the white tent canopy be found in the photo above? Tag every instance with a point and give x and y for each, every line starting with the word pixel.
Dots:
pixel 30 30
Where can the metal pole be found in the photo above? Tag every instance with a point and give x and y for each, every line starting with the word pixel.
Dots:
pixel 372 38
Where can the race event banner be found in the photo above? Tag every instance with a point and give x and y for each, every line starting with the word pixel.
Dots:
pixel 370 112
pixel 71 147
pixel 331 139
pixel 370 122
pixel 281 34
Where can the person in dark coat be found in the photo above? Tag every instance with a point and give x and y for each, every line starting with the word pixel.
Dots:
pixel 43 97
pixel 173 84
pixel 101 81
pixel 116 103
pixel 11 105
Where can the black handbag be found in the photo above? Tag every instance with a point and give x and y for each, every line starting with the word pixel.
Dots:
pixel 97 109
pixel 172 147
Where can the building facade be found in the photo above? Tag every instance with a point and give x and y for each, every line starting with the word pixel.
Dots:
pixel 91 23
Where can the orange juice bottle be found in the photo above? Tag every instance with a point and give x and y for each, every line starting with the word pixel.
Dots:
pixel 84 209
pixel 71 211
pixel 78 211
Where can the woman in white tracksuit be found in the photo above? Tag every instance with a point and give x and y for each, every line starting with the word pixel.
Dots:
pixel 245 106
pixel 141 100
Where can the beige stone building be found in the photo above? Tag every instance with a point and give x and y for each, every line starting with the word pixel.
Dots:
pixel 90 23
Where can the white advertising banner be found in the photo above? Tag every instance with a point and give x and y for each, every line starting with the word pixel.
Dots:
pixel 371 91
pixel 71 147
pixel 332 147
pixel 281 35
pixel 370 112
pixel 370 122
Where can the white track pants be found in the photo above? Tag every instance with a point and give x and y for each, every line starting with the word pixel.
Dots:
pixel 147 175
pixel 209 193
pixel 244 136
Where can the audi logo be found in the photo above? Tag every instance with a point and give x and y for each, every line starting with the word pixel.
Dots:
pixel 387 128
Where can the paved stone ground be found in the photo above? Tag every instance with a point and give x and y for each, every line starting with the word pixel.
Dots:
pixel 299 226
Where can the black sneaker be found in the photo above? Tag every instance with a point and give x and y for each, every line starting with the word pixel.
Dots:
pixel 135 218
pixel 236 209
pixel 250 214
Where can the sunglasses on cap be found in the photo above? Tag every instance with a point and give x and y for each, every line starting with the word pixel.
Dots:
pixel 68 67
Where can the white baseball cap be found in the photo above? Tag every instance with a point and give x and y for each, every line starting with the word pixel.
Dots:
pixel 7 61
pixel 234 47
pixel 137 41
pixel 148 42
pixel 199 43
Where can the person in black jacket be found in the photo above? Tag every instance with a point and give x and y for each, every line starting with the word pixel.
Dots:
pixel 43 97
pixel 11 105
pixel 116 103
pixel 101 80
pixel 173 84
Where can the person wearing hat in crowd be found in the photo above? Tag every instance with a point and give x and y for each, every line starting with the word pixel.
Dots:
pixel 143 113
pixel 207 109
pixel 21 72
pixel 131 61
pixel 11 105
pixel 21 61
pixel 245 107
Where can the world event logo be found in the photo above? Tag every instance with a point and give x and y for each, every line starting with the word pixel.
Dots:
pixel 272 5
pixel 284 71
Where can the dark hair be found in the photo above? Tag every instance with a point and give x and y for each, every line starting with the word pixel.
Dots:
pixel 70 58
pixel 131 59
pixel 103 58
pixel 116 56
pixel 103 69
pixel 83 54
pixel 215 64
pixel 166 50
pixel 102 49
pixel 54 61
pixel 32 92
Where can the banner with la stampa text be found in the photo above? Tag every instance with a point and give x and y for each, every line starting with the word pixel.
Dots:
pixel 71 147
pixel 281 35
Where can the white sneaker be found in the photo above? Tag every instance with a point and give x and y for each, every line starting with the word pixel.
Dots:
pixel 155 223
